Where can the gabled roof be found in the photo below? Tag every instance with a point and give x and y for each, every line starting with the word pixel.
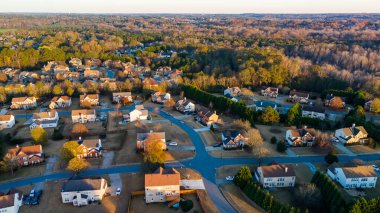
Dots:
pixel 359 171
pixel 279 170
pixel 77 112
pixel 90 143
pixel 313 109
pixel 122 94
pixel 28 150
pixel 354 130
pixel 44 115
pixel 230 135
pixel 299 94
pixel 7 201
pixel 162 177
pixel 5 117
pixel 64 97
pixel 22 99
pixel 301 132
pixel 90 96
pixel 144 136
pixel 87 184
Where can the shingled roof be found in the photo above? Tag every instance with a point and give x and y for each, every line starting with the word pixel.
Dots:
pixel 162 177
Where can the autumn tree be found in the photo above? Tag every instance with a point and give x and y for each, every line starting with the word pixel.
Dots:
pixel 77 164
pixel 337 103
pixel 270 116
pixel 256 144
pixel 69 150
pixel 241 124
pixel 3 78
pixel 376 105
pixel 79 129
pixel 39 135
pixel 154 155
pixel 70 91
pixel 169 103
pixel 57 90
pixel 86 104
pixel 8 164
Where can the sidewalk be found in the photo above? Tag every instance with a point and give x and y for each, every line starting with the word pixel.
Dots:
pixel 290 152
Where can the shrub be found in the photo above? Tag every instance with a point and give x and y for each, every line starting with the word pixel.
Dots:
pixel 57 135
pixel 331 157
pixel 186 205
pixel 281 146
pixel 273 140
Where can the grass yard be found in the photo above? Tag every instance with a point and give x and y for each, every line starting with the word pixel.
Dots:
pixel 24 172
pixel 230 170
pixel 361 149
pixel 375 192
pixel 236 197
pixel 210 138
pixel 193 124
pixel 312 151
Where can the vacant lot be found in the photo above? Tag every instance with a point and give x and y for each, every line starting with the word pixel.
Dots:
pixel 93 127
pixel 190 121
pixel 210 138
pixel 312 150
pixel 231 170
pixel 239 200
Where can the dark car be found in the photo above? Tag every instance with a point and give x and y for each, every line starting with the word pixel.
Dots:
pixel 28 200
pixel 38 193
pixel 35 200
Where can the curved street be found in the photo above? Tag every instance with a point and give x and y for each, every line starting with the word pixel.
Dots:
pixel 202 162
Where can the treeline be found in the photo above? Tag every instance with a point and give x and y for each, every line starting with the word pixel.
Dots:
pixel 334 200
pixel 352 97
pixel 222 104
pixel 332 197
pixel 357 117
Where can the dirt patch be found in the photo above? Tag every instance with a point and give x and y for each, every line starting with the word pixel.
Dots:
pixel 239 200
pixel 312 151
pixel 360 149
pixel 193 124
pixel 178 155
pixel 210 138
pixel 206 203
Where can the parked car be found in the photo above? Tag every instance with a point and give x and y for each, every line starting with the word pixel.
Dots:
pixel 173 143
pixel 376 168
pixel 28 200
pixel 118 191
pixel 34 201
pixel 217 144
pixel 334 139
pixel 32 193
pixel 230 178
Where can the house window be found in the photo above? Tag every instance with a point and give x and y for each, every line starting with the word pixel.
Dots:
pixel 66 200
pixel 364 179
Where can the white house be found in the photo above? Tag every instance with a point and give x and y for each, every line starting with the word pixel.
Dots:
pixel 160 97
pixel 60 102
pixel 270 91
pixel 185 106
pixel 139 113
pixel 353 176
pixel 354 134
pixel 24 103
pixel 7 121
pixel 93 99
pixel 232 92
pixel 313 112
pixel 10 203
pixel 83 116
pixel 90 148
pixel 45 119
pixel 80 192
pixel 232 139
pixel 276 176
pixel 162 186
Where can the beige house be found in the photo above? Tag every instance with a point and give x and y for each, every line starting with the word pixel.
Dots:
pixel 301 137
pixel 142 139
pixel 354 134
pixel 45 119
pixel 160 97
pixel 60 102
pixel 93 99
pixel 276 176
pixel 353 176
pixel 91 74
pixel 83 115
pixel 24 103
pixel 120 97
pixel 206 116
pixel 81 192
pixel 162 186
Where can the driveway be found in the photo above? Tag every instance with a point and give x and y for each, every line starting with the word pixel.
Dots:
pixel 344 149
pixel 114 178
pixel 181 148
pixel 192 184
pixel 202 129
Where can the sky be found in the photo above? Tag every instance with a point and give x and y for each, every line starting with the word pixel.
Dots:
pixel 191 6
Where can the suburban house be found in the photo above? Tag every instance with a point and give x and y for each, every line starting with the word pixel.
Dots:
pixel 206 116
pixel 162 186
pixel 11 202
pixel 60 69
pixel 82 191
pixel 60 102
pixel 139 113
pixel 24 103
pixel 75 62
pixel 160 97
pixel 314 112
pixel 90 148
pixel 232 139
pixel 185 106
pixel 270 91
pixel 44 119
pixel 7 121
pixel 26 155
pixel 262 105
pixel 91 74
pixel 232 92
pixel 150 83
pixel 93 99
pixel 353 134
pixel 368 105
pixel 301 137
pixel 83 116
pixel 71 76
pixel 352 175
pixel 300 97
pixel 334 101
pixel 121 97
pixel 276 175
pixel 142 138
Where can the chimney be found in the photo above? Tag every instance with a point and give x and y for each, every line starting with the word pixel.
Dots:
pixel 49 114
pixel 17 146
pixel 286 169
pixel 100 143
pixel 184 98
pixel 151 131
pixel 305 127
pixel 353 125
pixel 80 138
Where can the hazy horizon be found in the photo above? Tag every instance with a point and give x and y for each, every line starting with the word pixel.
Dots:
pixel 191 6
